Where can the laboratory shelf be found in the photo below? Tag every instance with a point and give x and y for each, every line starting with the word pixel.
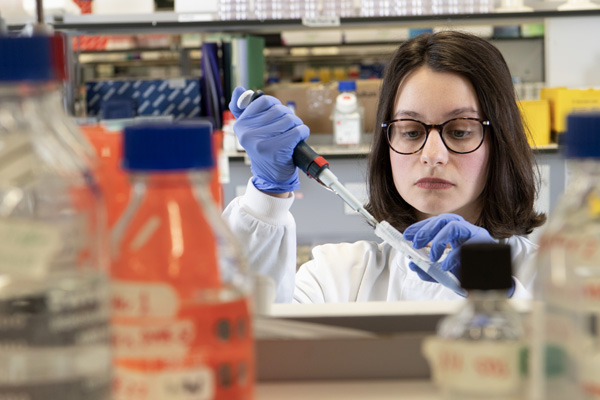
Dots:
pixel 185 22
pixel 361 151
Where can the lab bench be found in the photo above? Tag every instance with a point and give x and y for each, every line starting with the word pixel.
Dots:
pixel 377 389
pixel 331 351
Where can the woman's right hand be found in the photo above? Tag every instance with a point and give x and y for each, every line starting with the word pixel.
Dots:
pixel 269 132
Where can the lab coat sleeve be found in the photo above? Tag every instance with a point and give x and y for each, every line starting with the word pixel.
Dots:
pixel 520 291
pixel 267 232
pixel 523 259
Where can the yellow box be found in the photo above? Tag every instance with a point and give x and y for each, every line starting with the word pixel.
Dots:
pixel 536 119
pixel 563 101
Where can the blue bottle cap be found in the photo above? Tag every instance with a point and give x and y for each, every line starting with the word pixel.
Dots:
pixel 347 86
pixel 168 147
pixel 582 138
pixel 26 59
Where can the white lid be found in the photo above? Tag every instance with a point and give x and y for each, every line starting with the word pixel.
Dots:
pixel 346 102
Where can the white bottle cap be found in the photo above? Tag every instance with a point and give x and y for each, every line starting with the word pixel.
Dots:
pixel 245 99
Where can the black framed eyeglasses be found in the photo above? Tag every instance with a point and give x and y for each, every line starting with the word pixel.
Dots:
pixel 459 135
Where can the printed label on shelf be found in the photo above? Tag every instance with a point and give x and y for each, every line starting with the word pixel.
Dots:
pixel 321 21
pixel 27 247
pixel 133 300
pixel 194 17
pixel 168 339
pixel 475 367
pixel 196 383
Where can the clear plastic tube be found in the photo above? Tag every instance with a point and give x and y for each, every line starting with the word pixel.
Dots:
pixel 420 257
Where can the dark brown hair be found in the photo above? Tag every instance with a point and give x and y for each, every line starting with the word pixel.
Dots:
pixel 512 181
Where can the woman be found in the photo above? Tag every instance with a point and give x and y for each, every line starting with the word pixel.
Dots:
pixel 450 164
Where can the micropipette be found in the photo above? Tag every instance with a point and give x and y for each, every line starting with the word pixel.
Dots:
pixel 316 167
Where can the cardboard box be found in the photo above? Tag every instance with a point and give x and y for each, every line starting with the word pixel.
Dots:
pixel 315 102
pixel 536 118
pixel 179 98
pixel 563 101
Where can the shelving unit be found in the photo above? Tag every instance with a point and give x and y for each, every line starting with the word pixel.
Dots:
pixel 171 22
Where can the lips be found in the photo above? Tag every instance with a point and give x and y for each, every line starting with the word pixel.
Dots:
pixel 434 183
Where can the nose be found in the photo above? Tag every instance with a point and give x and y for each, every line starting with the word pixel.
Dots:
pixel 434 152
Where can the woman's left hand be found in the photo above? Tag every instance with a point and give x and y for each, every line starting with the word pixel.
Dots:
pixel 442 230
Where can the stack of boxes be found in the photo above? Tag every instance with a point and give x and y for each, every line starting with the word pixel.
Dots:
pixel 546 118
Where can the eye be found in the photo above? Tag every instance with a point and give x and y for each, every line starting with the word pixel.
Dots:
pixel 459 134
pixel 411 135
pixel 408 130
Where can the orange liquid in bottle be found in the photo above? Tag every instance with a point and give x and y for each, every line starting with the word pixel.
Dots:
pixel 179 331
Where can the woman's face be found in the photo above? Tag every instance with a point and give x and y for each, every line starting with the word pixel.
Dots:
pixel 436 180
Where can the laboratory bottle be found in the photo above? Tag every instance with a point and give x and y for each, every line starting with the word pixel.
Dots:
pixel 54 303
pixel 181 318
pixel 477 350
pixel 55 104
pixel 566 341
pixel 106 140
pixel 230 142
pixel 347 115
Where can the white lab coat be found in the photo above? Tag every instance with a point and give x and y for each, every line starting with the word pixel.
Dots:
pixel 340 272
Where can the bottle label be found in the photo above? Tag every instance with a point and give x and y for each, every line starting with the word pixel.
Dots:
pixel 57 317
pixel 134 300
pixel 475 367
pixel 20 163
pixel 590 377
pixel 91 388
pixel 347 130
pixel 171 347
pixel 192 384
pixel 27 247
pixel 163 338
pixel 160 339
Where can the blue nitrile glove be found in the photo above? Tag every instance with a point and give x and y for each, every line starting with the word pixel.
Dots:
pixel 442 230
pixel 269 132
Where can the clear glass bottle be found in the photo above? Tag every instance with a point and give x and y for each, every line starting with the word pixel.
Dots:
pixel 477 351
pixel 54 105
pixel 54 314
pixel 181 318
pixel 565 323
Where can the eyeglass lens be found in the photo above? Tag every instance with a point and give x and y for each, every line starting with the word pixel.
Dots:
pixel 460 135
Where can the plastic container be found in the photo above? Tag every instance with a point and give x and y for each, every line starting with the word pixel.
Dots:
pixel 54 307
pixel 566 356
pixel 54 105
pixel 347 115
pixel 231 143
pixel 180 294
pixel 477 351
pixel 113 181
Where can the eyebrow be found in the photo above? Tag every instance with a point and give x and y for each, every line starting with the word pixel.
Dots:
pixel 454 113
